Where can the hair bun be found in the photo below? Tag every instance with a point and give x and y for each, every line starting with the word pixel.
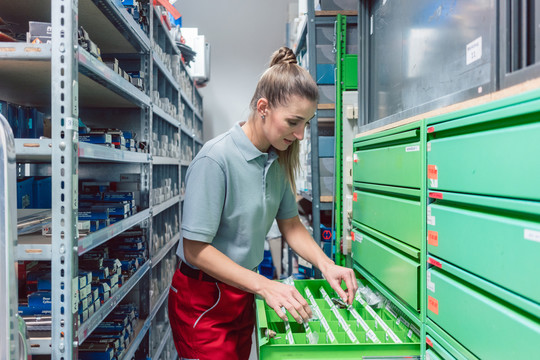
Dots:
pixel 283 56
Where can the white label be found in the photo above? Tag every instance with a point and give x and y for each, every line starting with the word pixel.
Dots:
pixel 358 237
pixel 398 321
pixel 355 157
pixel 391 311
pixel 371 25
pixel 429 284
pixel 431 220
pixel 428 146
pixel 71 123
pixel 75 99
pixel 75 294
pixel 531 235
pixel 405 322
pixel 474 50
pixel 428 357
pixel 412 148
pixel 434 183
pixel 409 334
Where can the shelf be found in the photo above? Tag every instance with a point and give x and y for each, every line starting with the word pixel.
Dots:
pixel 40 346
pixel 156 209
pixel 186 130
pixel 162 114
pixel 87 327
pixel 166 31
pixel 300 41
pixel 162 344
pixel 160 160
pixel 198 141
pixel 165 250
pixel 36 150
pixel 25 51
pixel 103 153
pixel 142 329
pixel 102 74
pixel 34 248
pixel 188 102
pixel 99 237
pixel 184 162
pixel 39 150
pixel 164 70
pixel 114 30
pixel 159 303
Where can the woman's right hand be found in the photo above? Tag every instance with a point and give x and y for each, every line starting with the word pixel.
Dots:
pixel 279 295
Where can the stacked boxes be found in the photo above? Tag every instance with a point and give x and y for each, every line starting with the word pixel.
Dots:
pixel 166 146
pixel 25 122
pixel 34 193
pixel 113 336
pixel 121 140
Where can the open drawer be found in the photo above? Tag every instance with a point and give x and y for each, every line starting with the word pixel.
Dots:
pixel 395 338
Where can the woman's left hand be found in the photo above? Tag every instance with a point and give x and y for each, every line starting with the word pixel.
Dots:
pixel 335 274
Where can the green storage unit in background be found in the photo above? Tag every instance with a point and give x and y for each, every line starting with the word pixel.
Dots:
pixel 396 270
pixel 389 160
pixel 483 323
pixel 493 153
pixel 398 215
pixel 494 238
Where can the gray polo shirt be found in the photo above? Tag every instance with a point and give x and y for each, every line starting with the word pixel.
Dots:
pixel 233 194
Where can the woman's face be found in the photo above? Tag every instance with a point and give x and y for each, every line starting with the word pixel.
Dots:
pixel 285 124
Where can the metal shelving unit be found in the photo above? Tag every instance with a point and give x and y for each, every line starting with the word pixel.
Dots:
pixel 93 90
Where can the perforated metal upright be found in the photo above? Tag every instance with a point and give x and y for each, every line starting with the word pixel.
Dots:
pixel 64 114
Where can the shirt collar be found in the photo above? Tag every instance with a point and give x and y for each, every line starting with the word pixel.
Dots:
pixel 246 147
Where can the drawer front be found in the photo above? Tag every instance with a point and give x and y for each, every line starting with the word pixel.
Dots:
pixel 476 239
pixel 398 165
pixel 396 271
pixel 482 324
pixel 395 216
pixel 501 162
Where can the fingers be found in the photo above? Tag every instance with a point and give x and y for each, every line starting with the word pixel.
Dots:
pixel 280 311
pixel 294 303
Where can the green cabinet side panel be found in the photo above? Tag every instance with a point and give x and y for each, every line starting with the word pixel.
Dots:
pixel 395 270
pixel 499 162
pixel 488 328
pixel 397 165
pixel 477 238
pixel 397 217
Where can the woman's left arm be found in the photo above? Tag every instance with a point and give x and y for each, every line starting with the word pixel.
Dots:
pixel 304 245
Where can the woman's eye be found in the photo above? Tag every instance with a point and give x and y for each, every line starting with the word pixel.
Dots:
pixel 292 123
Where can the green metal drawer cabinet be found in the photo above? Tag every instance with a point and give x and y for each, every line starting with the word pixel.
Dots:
pixel 391 267
pixel 493 153
pixel 487 326
pixel 394 159
pixel 398 215
pixel 277 347
pixel 494 238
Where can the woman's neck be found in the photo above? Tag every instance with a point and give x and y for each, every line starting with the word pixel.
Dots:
pixel 253 130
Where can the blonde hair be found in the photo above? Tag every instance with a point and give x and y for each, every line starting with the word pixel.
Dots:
pixel 282 80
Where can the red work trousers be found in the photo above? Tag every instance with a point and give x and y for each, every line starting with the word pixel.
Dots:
pixel 210 320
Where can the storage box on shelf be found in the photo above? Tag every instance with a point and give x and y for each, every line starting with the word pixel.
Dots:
pixel 484 202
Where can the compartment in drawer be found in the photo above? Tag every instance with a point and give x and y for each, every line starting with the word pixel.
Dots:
pixel 495 238
pixel 278 347
pixel 396 215
pixel 484 324
pixel 486 160
pixel 395 270
pixel 389 159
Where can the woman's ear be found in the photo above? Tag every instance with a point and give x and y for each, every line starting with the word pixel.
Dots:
pixel 262 107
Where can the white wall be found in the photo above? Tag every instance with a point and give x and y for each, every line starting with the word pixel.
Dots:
pixel 242 36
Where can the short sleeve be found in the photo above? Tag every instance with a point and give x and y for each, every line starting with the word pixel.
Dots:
pixel 203 201
pixel 288 207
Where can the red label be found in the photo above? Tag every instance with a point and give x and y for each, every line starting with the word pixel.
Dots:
pixel 436 195
pixel 433 238
pixel 352 235
pixel 430 129
pixel 432 172
pixel 428 341
pixel 355 197
pixel 327 234
pixel 434 263
pixel 433 305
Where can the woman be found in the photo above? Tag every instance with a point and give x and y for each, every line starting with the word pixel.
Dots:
pixel 235 187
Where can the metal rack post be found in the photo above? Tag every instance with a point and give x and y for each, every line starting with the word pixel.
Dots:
pixel 64 114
